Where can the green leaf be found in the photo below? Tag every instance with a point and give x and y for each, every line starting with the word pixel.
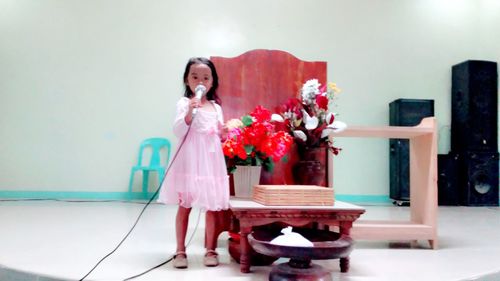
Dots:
pixel 248 149
pixel 247 120
pixel 269 166
pixel 285 159
pixel 258 161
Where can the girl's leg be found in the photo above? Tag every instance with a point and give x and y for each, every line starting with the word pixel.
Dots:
pixel 181 224
pixel 210 238
pixel 211 258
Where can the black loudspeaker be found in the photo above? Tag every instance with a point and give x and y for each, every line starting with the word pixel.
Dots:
pixel 448 192
pixel 404 112
pixel 409 112
pixel 474 102
pixel 478 172
pixel 399 169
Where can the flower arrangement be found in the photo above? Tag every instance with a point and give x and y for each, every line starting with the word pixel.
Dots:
pixel 309 118
pixel 253 140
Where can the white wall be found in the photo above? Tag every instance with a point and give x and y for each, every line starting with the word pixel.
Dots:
pixel 83 82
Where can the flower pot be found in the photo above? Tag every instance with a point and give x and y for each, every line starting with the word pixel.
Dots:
pixel 245 177
pixel 309 172
pixel 311 168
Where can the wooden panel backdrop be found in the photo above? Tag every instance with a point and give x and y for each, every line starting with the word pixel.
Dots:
pixel 267 78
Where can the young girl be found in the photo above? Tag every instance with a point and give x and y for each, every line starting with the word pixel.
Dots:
pixel 198 175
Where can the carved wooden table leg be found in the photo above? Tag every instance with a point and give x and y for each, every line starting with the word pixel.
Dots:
pixel 345 228
pixel 344 264
pixel 245 249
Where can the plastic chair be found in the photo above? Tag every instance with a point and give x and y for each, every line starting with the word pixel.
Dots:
pixel 156 145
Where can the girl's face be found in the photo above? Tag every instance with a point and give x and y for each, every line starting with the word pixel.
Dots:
pixel 199 74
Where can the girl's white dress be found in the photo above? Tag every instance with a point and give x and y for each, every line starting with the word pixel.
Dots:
pixel 198 175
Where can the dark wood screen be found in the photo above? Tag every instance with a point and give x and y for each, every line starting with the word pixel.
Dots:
pixel 267 78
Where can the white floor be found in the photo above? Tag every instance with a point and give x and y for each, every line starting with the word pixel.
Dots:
pixel 53 240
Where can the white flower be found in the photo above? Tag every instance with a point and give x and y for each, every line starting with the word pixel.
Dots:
pixel 311 123
pixel 309 91
pixel 277 118
pixel 312 83
pixel 335 127
pixel 329 116
pixel 299 134
pixel 234 123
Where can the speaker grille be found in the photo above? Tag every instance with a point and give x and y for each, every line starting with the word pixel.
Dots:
pixel 474 106
pixel 480 185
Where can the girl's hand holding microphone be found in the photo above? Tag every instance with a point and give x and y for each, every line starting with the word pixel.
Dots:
pixel 194 103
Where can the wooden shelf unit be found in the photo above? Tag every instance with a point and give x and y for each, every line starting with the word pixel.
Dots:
pixel 423 184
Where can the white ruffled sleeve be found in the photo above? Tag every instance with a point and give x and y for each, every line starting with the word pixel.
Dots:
pixel 180 126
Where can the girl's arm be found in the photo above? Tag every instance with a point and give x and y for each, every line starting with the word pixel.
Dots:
pixel 180 124
pixel 221 126
pixel 223 131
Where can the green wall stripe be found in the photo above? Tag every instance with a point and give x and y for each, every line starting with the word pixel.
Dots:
pixel 369 199
pixel 79 195
pixel 76 195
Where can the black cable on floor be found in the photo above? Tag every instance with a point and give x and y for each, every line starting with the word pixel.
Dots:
pixel 125 237
pixel 151 269
pixel 171 258
pixel 143 209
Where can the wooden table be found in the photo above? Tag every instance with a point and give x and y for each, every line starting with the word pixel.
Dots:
pixel 423 184
pixel 250 214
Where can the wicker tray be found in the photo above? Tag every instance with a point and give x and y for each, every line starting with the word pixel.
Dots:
pixel 298 195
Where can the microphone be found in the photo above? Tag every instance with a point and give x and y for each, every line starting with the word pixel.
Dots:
pixel 198 93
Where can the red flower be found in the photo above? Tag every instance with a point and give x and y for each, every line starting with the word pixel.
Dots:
pixel 261 114
pixel 277 145
pixel 293 105
pixel 256 141
pixel 232 148
pixel 322 102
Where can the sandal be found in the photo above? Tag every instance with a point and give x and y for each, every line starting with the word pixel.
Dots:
pixel 180 260
pixel 211 258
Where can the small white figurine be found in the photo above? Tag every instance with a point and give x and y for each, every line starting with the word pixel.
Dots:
pixel 290 238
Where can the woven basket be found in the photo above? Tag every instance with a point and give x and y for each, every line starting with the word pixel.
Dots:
pixel 298 195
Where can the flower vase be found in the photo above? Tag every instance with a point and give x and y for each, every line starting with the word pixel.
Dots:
pixel 311 168
pixel 245 177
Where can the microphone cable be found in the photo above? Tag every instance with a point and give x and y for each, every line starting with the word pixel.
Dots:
pixel 172 257
pixel 142 212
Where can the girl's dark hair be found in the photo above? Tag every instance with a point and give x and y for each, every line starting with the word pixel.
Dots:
pixel 212 93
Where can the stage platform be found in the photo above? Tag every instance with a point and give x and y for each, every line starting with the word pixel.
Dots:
pixel 59 240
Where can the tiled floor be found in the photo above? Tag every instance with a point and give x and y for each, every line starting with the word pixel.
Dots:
pixel 51 240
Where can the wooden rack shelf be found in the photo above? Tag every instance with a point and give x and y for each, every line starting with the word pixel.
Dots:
pixel 423 184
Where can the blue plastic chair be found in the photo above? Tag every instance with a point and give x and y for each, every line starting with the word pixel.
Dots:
pixel 155 165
